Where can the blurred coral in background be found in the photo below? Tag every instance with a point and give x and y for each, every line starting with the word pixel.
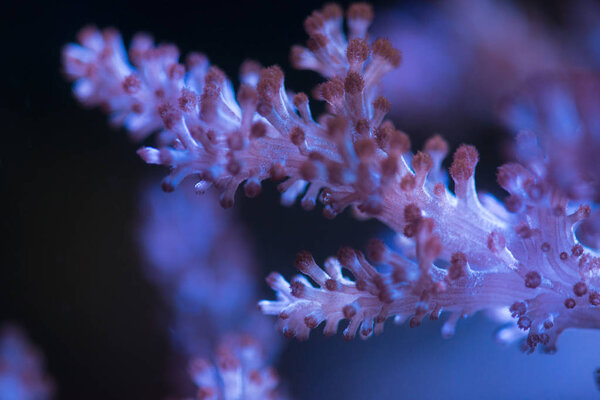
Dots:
pixel 201 260
pixel 22 375
pixel 463 57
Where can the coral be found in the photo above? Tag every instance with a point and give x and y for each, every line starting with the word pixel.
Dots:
pixel 21 368
pixel 238 372
pixel 464 56
pixel 201 261
pixel 462 251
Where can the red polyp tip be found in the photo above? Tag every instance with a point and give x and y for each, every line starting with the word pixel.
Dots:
pixel 167 187
pixel 570 303
pixel 563 256
pixel 252 188
pixel 316 42
pixel 234 167
pixel 362 127
pixel 594 298
pixel 195 59
pixel 250 67
pixel 271 80
pixel 376 250
pixel 288 333
pixel 169 115
pixel 86 32
pixel 518 308
pixel 364 148
pixel 584 211
pixel 226 201
pixel 300 99
pixel 362 11
pixel 381 104
pixel 175 71
pixel 357 51
pixel 349 311
pixel 383 134
pixel 297 135
pixel 513 204
pixel 384 49
pixel 131 84
pixel 332 90
pixel 258 130
pixel 188 100
pixel 277 171
pixel 310 322
pixel 332 11
pixel 533 279
pixel 580 289
pixel 399 142
pixel 346 256
pixel 577 250
pixel 354 83
pixel 214 76
pixel 465 160
pixel 414 322
pixel 439 189
pixel 412 213
pixel 545 247
pixel 314 23
pixel 524 323
pixel 436 144
pixel 297 289
pixel 304 261
pixel 422 162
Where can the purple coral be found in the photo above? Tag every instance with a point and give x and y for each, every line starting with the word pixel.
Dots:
pixel 462 252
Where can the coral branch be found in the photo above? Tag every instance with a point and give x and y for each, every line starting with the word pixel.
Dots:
pixel 463 252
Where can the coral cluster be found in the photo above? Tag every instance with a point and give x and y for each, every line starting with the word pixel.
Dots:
pixel 461 251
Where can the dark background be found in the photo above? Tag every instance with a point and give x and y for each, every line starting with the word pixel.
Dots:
pixel 70 270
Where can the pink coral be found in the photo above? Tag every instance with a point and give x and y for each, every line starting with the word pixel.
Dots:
pixel 463 251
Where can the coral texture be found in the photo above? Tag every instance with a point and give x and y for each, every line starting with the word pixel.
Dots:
pixel 462 251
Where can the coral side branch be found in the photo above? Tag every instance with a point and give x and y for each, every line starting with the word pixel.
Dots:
pixel 262 131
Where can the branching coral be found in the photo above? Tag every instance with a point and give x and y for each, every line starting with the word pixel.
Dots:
pixel 463 251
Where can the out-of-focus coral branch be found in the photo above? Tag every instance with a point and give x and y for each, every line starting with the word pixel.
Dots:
pixel 238 372
pixel 22 376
